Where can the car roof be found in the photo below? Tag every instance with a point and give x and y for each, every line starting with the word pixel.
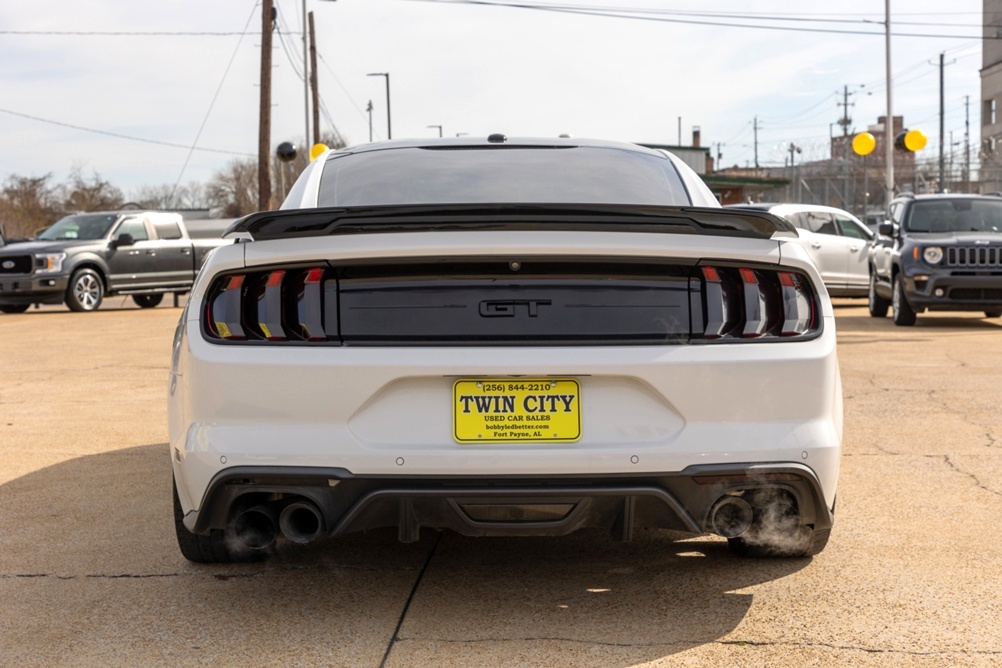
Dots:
pixel 935 196
pixel 497 140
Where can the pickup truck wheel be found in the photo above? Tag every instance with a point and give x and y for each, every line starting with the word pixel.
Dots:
pixel 993 313
pixel 214 548
pixel 147 301
pixel 14 308
pixel 877 304
pixel 903 314
pixel 85 291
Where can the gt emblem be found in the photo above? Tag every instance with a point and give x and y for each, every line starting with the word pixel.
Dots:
pixel 509 308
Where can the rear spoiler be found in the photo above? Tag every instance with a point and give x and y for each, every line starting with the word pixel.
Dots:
pixel 294 223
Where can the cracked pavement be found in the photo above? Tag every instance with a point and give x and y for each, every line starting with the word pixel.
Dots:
pixel 90 573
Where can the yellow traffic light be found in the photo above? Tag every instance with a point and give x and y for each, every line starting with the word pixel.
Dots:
pixel 910 140
pixel 864 143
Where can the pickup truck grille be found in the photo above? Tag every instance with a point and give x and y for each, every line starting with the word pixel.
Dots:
pixel 538 302
pixel 16 264
pixel 974 256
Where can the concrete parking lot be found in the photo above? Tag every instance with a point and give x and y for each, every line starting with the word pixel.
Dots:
pixel 90 574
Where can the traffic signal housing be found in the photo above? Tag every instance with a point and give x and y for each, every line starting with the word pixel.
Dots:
pixel 910 140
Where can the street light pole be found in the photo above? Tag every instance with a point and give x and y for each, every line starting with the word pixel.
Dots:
pixel 439 129
pixel 389 126
pixel 889 122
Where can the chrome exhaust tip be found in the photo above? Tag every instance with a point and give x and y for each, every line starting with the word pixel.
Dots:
pixel 731 516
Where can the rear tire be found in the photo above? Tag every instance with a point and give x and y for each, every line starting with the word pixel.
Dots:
pixel 147 301
pixel 877 304
pixel 85 291
pixel 903 314
pixel 14 308
pixel 213 548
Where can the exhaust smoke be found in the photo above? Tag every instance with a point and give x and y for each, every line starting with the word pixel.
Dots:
pixel 776 529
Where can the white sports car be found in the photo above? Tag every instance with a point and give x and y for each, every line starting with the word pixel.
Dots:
pixel 504 337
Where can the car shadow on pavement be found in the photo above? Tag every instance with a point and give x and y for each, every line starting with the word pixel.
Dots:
pixel 91 539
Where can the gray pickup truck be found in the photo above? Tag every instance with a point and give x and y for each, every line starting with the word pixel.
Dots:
pixel 84 257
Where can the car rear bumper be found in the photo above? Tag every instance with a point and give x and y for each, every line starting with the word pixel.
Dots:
pixel 506 505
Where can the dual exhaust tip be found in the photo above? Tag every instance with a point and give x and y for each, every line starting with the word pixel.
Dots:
pixel 257 527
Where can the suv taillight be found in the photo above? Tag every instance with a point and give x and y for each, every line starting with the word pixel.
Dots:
pixel 756 303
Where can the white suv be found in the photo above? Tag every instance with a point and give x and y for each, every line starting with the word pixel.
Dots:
pixel 503 337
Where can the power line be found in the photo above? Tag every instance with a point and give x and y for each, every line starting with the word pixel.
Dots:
pixel 205 119
pixel 660 16
pixel 121 33
pixel 120 136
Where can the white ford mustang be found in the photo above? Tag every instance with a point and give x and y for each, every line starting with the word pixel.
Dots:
pixel 504 337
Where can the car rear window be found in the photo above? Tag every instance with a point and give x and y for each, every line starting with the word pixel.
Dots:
pixel 168 230
pixel 509 174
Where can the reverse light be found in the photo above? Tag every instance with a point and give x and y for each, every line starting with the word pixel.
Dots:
pixel 49 263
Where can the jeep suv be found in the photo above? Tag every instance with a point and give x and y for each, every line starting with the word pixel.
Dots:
pixel 938 252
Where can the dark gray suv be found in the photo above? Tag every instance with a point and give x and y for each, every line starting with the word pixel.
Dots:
pixel 938 252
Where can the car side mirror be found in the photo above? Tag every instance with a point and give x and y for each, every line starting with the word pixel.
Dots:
pixel 124 239
pixel 886 229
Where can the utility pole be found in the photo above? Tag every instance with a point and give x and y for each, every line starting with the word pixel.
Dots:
pixel 264 122
pixel 942 138
pixel 967 143
pixel 942 148
pixel 306 82
pixel 755 129
pixel 368 108
pixel 720 156
pixel 313 82
pixel 845 122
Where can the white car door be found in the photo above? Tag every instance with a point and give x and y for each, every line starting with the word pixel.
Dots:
pixel 828 251
pixel 855 238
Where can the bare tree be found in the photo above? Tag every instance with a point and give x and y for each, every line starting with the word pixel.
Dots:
pixel 28 204
pixel 94 194
pixel 166 196
pixel 233 191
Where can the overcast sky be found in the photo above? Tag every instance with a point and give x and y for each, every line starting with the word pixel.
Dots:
pixel 607 69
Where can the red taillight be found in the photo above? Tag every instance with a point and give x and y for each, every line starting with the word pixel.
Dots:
pixel 756 303
pixel 308 306
pixel 223 314
pixel 270 305
pixel 798 305
pixel 756 310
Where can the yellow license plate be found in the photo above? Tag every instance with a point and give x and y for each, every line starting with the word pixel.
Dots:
pixel 538 410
